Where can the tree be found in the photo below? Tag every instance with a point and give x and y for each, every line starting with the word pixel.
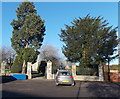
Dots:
pixel 28 29
pixel 17 65
pixel 8 55
pixel 46 52
pixel 28 54
pixel 49 52
pixel 89 41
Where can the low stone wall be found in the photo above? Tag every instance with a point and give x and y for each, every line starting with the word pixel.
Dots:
pixel 86 78
pixel 76 77
pixel 80 78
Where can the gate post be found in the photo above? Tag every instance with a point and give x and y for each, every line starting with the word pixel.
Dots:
pixel 29 70
pixel 74 71
pixel 49 69
pixel 101 78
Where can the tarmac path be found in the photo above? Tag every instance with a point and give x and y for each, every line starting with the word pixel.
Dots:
pixel 37 88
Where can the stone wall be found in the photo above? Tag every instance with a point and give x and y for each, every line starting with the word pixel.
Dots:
pixel 87 78
pixel 76 77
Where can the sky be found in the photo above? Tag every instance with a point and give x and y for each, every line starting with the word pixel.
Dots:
pixel 56 14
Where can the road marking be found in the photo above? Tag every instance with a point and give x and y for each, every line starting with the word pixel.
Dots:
pixel 78 93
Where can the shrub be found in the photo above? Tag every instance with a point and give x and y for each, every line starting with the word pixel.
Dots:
pixel 17 65
pixel 27 54
pixel 86 71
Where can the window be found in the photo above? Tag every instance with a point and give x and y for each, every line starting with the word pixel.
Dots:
pixel 64 74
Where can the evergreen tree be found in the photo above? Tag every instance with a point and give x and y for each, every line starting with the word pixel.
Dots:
pixel 17 65
pixel 89 41
pixel 27 54
pixel 28 29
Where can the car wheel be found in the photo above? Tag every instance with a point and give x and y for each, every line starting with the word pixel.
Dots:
pixel 57 84
pixel 73 84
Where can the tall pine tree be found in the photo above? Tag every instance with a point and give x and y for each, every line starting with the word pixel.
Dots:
pixel 28 29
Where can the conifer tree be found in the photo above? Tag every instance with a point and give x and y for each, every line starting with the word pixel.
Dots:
pixel 28 29
pixel 89 41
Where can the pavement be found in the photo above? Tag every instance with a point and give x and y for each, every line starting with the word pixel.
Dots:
pixel 39 88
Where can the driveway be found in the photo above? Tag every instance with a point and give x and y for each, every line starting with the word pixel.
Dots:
pixel 47 88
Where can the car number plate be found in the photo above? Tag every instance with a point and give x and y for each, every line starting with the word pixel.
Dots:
pixel 65 81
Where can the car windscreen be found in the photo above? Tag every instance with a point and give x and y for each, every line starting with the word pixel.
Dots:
pixel 64 74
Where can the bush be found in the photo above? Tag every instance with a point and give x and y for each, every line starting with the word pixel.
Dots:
pixel 7 71
pixel 86 71
pixel 17 65
pixel 27 54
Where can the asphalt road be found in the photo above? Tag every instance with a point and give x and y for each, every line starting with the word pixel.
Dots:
pixel 47 88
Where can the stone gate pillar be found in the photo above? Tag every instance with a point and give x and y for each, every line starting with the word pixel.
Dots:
pixel 101 78
pixel 29 70
pixel 3 64
pixel 74 70
pixel 49 69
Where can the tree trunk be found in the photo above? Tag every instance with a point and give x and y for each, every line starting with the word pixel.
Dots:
pixel 103 70
pixel 24 63
pixel 26 45
pixel 108 70
pixel 24 67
